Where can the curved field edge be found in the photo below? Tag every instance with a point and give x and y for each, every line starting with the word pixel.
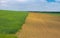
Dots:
pixel 11 22
pixel 39 25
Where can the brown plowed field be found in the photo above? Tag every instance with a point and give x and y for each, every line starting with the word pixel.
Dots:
pixel 38 25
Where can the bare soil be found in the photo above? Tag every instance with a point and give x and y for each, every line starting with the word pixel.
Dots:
pixel 39 25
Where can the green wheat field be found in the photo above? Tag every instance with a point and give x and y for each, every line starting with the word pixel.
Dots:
pixel 11 22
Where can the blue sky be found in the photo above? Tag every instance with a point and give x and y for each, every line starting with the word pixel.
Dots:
pixel 30 5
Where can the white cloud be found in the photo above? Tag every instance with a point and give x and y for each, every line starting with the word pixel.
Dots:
pixel 22 1
pixel 43 0
pixel 3 2
pixel 41 5
pixel 26 1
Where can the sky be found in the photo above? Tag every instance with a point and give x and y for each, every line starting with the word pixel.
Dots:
pixel 30 5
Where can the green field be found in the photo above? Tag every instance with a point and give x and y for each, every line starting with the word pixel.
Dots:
pixel 7 36
pixel 11 22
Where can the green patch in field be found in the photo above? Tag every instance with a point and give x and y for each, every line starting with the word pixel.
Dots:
pixel 7 36
pixel 11 21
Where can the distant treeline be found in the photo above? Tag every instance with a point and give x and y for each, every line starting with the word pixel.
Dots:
pixel 43 12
